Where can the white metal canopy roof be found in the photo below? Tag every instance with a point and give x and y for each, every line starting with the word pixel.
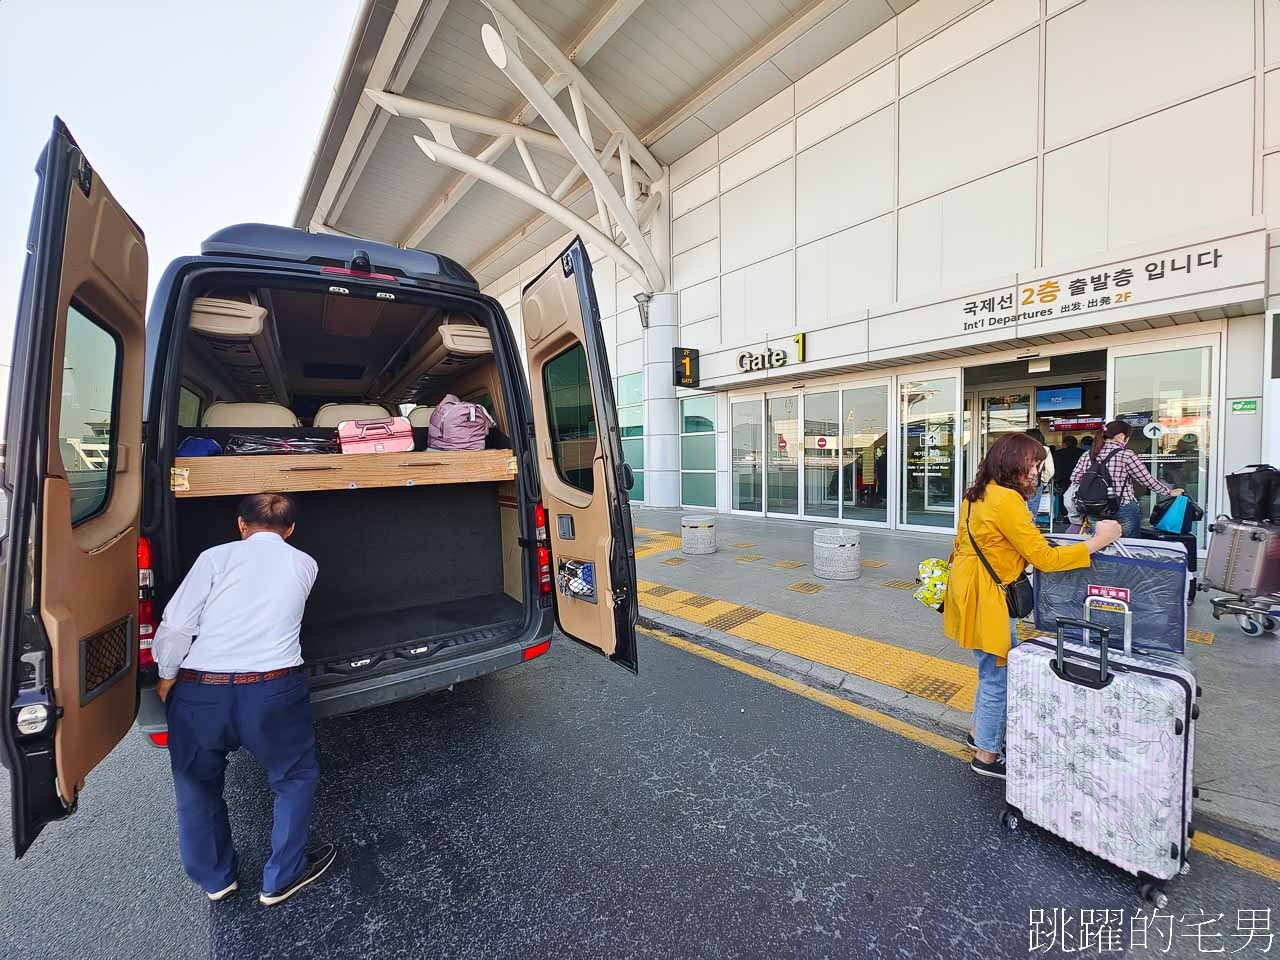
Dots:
pixel 675 71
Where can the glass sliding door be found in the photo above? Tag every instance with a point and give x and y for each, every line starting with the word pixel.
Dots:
pixel 864 453
pixel 782 447
pixel 1001 413
pixel 746 438
pixel 822 455
pixel 1168 397
pixel 929 450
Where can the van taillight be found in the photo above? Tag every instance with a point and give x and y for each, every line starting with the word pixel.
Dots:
pixel 146 604
pixel 160 739
pixel 544 551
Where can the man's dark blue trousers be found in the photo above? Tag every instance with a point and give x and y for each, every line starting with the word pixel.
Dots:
pixel 272 720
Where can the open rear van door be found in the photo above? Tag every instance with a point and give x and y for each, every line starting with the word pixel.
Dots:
pixel 579 451
pixel 72 482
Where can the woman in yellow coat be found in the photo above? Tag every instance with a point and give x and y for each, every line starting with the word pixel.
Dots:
pixel 975 615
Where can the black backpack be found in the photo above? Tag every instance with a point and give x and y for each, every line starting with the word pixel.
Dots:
pixel 1095 495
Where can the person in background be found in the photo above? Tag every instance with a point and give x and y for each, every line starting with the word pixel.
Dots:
pixel 1124 468
pixel 976 615
pixel 1064 462
pixel 230 665
pixel 1046 472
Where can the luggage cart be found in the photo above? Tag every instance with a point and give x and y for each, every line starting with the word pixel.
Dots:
pixel 1254 615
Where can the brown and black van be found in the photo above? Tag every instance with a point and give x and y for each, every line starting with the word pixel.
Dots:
pixel 128 442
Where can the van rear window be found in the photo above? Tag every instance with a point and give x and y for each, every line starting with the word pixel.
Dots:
pixel 572 417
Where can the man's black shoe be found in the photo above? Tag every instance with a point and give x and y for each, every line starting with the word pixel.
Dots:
pixel 319 859
pixel 993 769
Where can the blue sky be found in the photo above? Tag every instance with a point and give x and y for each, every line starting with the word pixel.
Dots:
pixel 196 114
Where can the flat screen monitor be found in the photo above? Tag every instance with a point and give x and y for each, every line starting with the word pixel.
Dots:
pixel 1058 399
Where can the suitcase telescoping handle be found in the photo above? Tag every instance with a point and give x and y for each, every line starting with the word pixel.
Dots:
pixel 1062 666
pixel 373 428
pixel 1109 604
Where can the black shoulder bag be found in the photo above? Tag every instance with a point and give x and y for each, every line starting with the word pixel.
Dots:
pixel 1019 598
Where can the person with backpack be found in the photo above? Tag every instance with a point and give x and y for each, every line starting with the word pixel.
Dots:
pixel 987 588
pixel 1104 479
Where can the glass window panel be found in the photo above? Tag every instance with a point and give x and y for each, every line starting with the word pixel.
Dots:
pixel 698 415
pixel 571 417
pixel 637 489
pixel 631 389
pixel 698 453
pixel 633 453
pixel 821 454
pixel 631 421
pixel 782 447
pixel 864 455
pixel 87 414
pixel 698 489
pixel 1173 389
pixel 747 456
pixel 929 451
pixel 188 408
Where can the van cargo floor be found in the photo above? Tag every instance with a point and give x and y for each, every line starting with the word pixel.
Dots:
pixel 338 639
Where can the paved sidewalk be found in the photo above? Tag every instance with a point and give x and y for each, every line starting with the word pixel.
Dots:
pixel 870 639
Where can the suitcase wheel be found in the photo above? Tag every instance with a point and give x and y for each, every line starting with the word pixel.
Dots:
pixel 1250 626
pixel 1153 894
pixel 1011 819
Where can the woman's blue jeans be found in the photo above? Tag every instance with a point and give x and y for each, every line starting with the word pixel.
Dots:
pixel 1130 517
pixel 990 704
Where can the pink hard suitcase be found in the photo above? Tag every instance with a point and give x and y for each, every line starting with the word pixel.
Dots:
pixel 1101 749
pixel 383 435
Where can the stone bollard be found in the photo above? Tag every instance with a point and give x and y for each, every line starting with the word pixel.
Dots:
pixel 697 535
pixel 837 554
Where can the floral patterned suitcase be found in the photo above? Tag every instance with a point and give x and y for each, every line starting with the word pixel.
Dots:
pixel 1100 751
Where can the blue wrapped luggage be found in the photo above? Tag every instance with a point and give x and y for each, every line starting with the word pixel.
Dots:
pixel 1150 576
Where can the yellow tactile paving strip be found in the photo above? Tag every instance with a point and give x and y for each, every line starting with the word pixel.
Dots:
pixel 650 542
pixel 930 677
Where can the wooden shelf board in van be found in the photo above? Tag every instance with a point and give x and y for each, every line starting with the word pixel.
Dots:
pixel 299 472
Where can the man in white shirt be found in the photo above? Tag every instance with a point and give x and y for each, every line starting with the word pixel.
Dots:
pixel 230 676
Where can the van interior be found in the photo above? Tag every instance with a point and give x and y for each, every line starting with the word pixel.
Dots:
pixel 405 561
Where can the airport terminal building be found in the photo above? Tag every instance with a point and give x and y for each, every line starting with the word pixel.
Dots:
pixel 886 232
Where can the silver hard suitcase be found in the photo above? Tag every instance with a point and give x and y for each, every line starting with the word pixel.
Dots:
pixel 1100 750
pixel 1244 558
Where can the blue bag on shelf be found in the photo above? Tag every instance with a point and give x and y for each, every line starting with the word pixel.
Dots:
pixel 199 447
pixel 1148 575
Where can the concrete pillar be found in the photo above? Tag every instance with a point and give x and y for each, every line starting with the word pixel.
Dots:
pixel 661 408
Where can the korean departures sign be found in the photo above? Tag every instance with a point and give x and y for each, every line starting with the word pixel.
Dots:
pixel 1206 267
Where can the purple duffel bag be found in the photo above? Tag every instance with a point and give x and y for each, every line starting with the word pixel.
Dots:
pixel 456 425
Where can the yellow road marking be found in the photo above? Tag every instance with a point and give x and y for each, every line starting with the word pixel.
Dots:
pixel 932 678
pixel 1251 860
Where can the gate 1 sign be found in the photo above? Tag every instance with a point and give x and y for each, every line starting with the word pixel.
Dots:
pixel 684 365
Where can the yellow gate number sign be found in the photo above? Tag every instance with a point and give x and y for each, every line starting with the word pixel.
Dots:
pixel 684 363
pixel 798 340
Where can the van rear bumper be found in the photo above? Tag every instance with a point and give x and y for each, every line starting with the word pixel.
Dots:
pixel 363 693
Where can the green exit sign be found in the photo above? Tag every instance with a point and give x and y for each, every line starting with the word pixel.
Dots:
pixel 1244 406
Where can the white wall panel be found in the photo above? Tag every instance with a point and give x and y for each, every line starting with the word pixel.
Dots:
pixel 696 265
pixel 630 358
pixel 696 227
pixel 696 161
pixel 700 301
pixel 628 287
pixel 757 219
pixel 1271 190
pixel 1107 60
pixel 1075 199
pixel 1271 30
pixel 841 275
pixel 985 27
pixel 704 335
pixel 758 300
pixel 923 17
pixel 760 156
pixel 848 106
pixel 733 307
pixel 603 276
pixel 845 179
pixel 629 325
pixel 770 114
pixel 977 119
pixel 873 49
pixel 1186 167
pixel 1271 108
pixel 695 193
pixel 920 248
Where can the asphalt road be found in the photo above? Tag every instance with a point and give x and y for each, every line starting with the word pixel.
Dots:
pixel 566 808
